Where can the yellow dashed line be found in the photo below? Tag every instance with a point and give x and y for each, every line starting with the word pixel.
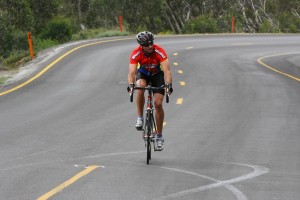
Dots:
pixel 182 83
pixel 175 64
pixel 175 54
pixel 180 71
pixel 189 48
pixel 179 101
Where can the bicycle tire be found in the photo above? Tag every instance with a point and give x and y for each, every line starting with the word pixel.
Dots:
pixel 153 130
pixel 148 150
pixel 148 132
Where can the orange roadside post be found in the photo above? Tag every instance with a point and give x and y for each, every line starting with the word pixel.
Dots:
pixel 120 23
pixel 232 24
pixel 30 45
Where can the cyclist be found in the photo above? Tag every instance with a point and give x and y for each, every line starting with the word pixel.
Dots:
pixel 149 63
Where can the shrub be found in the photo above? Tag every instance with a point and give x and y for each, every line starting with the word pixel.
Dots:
pixel 16 40
pixel 267 27
pixel 59 29
pixel 41 44
pixel 201 24
pixel 289 23
pixel 2 67
pixel 16 58
pixel 295 26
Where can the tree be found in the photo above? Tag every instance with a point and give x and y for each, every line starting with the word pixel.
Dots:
pixel 138 14
pixel 16 20
pixel 18 14
pixel 42 12
pixel 177 13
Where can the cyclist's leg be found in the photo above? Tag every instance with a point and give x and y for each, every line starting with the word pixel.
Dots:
pixel 158 81
pixel 159 112
pixel 140 99
pixel 159 116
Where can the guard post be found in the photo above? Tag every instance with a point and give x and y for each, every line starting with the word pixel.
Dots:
pixel 30 45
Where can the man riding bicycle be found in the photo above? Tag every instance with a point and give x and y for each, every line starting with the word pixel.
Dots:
pixel 149 63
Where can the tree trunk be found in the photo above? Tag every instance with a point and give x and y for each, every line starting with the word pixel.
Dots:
pixel 169 10
pixel 79 11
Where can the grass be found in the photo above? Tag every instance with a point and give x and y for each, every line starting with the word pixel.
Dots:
pixel 5 75
pixel 97 33
pixel 2 80
pixel 16 59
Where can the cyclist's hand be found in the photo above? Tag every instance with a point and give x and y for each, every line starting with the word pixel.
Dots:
pixel 169 88
pixel 130 87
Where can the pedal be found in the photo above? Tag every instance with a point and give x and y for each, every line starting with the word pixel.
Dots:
pixel 139 128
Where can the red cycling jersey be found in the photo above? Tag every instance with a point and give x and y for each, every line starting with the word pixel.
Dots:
pixel 148 65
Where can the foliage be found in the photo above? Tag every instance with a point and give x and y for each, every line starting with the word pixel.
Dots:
pixel 289 23
pixel 139 15
pixel 41 44
pixel 97 33
pixel 15 20
pixel 2 80
pixel 201 24
pixel 13 40
pixel 81 19
pixel 42 12
pixel 267 27
pixel 16 14
pixel 16 58
pixel 59 29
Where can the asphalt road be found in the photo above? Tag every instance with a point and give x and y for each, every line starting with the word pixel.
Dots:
pixel 232 125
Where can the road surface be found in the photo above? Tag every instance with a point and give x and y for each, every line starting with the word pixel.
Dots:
pixel 231 128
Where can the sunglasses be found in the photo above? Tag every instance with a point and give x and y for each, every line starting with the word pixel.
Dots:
pixel 149 44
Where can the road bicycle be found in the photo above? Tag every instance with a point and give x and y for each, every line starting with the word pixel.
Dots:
pixel 149 129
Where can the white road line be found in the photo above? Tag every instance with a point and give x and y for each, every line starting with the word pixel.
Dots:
pixel 258 170
pixel 239 195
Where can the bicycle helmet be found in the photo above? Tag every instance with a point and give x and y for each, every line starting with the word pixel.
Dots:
pixel 145 38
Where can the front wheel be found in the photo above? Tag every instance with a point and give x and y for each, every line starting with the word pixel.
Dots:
pixel 148 150
pixel 148 132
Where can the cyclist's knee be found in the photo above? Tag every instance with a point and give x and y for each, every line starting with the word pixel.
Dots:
pixel 141 83
pixel 158 105
pixel 158 101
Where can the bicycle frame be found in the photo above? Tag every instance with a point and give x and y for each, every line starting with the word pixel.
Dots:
pixel 150 129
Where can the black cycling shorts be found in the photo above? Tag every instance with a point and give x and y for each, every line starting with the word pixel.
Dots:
pixel 157 80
